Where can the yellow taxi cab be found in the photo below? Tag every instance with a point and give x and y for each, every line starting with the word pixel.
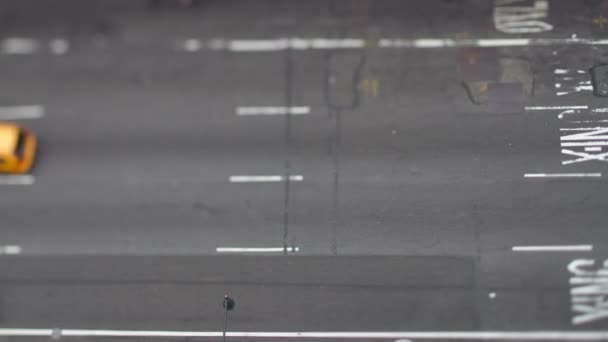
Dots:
pixel 17 148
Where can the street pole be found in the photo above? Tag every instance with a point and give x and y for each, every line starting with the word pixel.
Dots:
pixel 225 323
pixel 228 304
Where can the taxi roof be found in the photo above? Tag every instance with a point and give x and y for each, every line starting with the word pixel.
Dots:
pixel 9 134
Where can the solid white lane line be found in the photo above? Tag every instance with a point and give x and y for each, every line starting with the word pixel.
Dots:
pixel 542 335
pixel 264 179
pixel 19 46
pixel 21 112
pixel 554 107
pixel 17 180
pixel 59 46
pixel 296 43
pixel 246 111
pixel 562 175
pixel 10 250
pixel 489 42
pixel 256 250
pixel 564 248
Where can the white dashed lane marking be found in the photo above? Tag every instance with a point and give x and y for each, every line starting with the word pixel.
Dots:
pixel 10 250
pixel 264 179
pixel 59 46
pixel 593 149
pixel 266 45
pixel 563 175
pixel 532 108
pixel 291 43
pixel 28 46
pixel 553 248
pixel 19 46
pixel 248 111
pixel 21 112
pixel 256 250
pixel 17 180
pixel 191 45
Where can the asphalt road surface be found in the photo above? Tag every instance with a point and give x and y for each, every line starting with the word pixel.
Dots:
pixel 387 201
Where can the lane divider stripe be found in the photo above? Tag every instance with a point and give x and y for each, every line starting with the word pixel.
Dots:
pixel 256 250
pixel 554 248
pixel 21 112
pixel 17 180
pixel 245 111
pixel 563 175
pixel 264 179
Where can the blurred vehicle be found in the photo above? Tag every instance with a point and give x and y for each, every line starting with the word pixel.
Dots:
pixel 17 148
pixel 599 80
